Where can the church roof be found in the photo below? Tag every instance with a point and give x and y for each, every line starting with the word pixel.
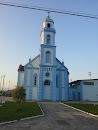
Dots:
pixel 83 80
pixel 62 65
pixel 21 68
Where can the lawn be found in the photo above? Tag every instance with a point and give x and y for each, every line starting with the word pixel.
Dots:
pixel 8 111
pixel 91 108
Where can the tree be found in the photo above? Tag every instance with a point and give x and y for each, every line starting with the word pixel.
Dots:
pixel 19 95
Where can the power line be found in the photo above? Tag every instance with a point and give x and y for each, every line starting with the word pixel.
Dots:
pixel 51 10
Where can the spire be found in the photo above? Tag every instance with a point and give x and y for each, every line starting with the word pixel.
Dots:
pixel 62 62
pixel 48 16
pixel 30 59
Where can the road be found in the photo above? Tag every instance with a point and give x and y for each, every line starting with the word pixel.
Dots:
pixel 57 117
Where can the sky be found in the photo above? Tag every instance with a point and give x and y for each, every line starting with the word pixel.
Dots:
pixel 76 37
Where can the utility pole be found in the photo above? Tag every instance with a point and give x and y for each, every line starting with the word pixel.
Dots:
pixel 9 85
pixel 2 77
pixel 89 74
pixel 3 83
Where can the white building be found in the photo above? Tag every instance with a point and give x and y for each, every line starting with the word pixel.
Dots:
pixel 45 77
pixel 84 90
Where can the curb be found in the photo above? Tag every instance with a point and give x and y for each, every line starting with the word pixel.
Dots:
pixel 80 110
pixel 8 122
pixel 41 109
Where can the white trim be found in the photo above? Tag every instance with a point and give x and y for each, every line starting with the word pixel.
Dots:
pixel 79 110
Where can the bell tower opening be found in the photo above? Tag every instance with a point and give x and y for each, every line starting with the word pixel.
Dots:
pixel 48 25
pixel 48 39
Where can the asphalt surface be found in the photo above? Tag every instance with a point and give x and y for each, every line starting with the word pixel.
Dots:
pixel 57 117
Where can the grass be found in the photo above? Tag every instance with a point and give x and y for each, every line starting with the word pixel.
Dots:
pixel 8 111
pixel 91 108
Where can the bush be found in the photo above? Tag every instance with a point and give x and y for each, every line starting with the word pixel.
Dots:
pixel 19 95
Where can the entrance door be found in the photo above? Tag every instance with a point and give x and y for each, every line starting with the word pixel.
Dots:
pixel 47 90
pixel 73 96
pixel 79 96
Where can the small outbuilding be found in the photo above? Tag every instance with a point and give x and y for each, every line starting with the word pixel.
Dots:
pixel 84 90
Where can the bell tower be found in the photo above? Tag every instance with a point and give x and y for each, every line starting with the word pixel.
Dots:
pixel 47 47
pixel 48 32
pixel 47 58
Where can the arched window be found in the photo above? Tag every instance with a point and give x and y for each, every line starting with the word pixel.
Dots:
pixel 47 83
pixel 48 39
pixel 48 25
pixel 48 57
pixel 35 80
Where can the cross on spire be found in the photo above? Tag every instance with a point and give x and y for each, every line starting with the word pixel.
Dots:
pixel 48 16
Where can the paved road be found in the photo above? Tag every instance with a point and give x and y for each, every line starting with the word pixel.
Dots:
pixel 57 117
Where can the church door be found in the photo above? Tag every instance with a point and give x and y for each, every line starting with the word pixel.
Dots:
pixel 47 90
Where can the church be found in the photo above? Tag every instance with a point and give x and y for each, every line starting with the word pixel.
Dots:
pixel 45 77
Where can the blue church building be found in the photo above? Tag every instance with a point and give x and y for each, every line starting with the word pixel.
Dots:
pixel 45 77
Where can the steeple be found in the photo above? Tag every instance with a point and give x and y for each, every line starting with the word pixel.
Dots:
pixel 48 31
pixel 47 70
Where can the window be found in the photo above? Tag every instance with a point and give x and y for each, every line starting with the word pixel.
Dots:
pixel 48 57
pixel 48 25
pixel 47 74
pixel 88 83
pixel 47 83
pixel 35 80
pixel 48 39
